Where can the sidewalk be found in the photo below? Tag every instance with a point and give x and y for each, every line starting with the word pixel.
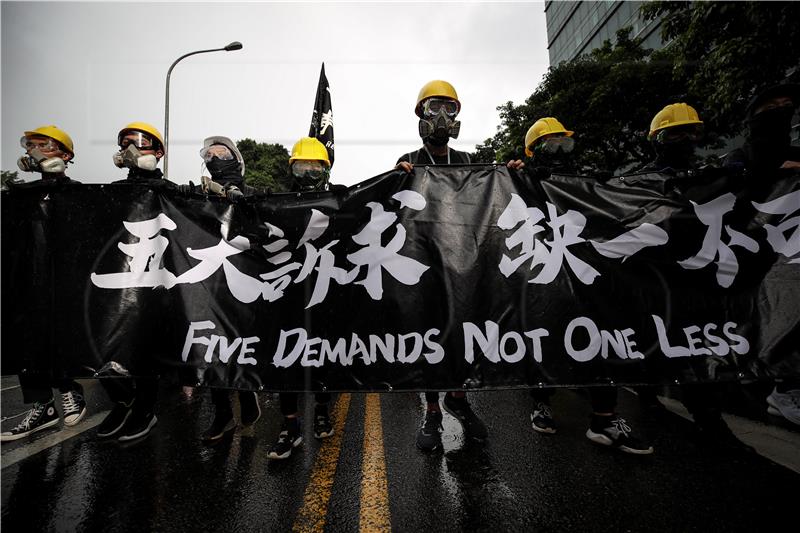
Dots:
pixel 777 444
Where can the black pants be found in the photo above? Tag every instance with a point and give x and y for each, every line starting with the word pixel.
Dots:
pixel 143 392
pixel 603 399
pixel 289 401
pixel 39 388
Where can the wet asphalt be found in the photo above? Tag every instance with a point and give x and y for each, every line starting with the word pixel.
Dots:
pixel 517 480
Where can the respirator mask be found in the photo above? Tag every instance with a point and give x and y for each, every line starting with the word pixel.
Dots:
pixel 438 122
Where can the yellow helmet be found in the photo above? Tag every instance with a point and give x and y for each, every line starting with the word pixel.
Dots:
pixel 671 116
pixel 309 149
pixel 56 134
pixel 543 126
pixel 143 127
pixel 436 88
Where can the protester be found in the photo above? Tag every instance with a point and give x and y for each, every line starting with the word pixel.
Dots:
pixel 767 148
pixel 48 150
pixel 437 108
pixel 550 146
pixel 310 169
pixel 225 164
pixel 141 147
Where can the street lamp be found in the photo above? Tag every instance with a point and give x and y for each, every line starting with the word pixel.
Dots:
pixel 235 45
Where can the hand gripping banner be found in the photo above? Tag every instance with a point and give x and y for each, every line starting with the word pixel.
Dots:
pixel 451 277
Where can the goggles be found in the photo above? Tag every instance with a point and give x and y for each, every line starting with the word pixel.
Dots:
pixel 693 133
pixel 44 144
pixel 304 168
pixel 432 106
pixel 219 151
pixel 140 140
pixel 553 145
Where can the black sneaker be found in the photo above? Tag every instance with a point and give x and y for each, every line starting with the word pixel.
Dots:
pixel 219 427
pixel 542 419
pixel 429 435
pixel 474 428
pixel 288 439
pixel 138 425
pixel 614 431
pixel 41 416
pixel 74 407
pixel 114 421
pixel 322 422
pixel 250 410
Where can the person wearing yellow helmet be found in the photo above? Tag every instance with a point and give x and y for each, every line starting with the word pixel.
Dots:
pixel 133 415
pixel 437 108
pixel 141 147
pixel 675 132
pixel 48 150
pixel 309 166
pixel 550 145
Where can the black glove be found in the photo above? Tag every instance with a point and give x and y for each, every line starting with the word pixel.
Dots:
pixel 234 195
pixel 187 190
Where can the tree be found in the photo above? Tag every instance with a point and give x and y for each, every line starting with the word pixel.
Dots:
pixel 729 51
pixel 607 97
pixel 266 165
pixel 6 177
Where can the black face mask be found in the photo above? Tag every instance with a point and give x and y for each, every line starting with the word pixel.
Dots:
pixel 224 170
pixel 677 155
pixel 773 124
pixel 770 136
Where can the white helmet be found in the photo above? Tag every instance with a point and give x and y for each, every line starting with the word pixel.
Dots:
pixel 224 141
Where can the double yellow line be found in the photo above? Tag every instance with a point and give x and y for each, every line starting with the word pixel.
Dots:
pixel 374 508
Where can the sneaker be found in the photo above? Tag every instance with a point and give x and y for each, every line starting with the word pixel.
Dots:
pixel 785 404
pixel 138 425
pixel 542 419
pixel 429 435
pixel 74 407
pixel 41 416
pixel 288 439
pixel 474 428
pixel 250 410
pixel 219 427
pixel 114 421
pixel 322 422
pixel 614 431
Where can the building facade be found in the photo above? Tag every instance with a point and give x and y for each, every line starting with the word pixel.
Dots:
pixel 575 28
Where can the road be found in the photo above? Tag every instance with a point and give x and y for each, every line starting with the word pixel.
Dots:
pixel 370 477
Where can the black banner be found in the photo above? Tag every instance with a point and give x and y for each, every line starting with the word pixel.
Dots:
pixel 452 277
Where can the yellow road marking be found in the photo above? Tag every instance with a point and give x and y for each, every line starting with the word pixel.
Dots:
pixel 374 486
pixel 311 516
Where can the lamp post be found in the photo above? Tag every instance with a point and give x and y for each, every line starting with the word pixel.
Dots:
pixel 235 45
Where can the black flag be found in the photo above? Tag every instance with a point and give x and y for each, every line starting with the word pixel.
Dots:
pixel 322 119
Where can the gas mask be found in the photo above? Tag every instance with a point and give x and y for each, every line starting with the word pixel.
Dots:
pixel 36 161
pixel 554 151
pixel 132 157
pixel 308 176
pixel 438 122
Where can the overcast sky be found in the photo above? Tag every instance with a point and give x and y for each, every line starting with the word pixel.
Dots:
pixel 90 68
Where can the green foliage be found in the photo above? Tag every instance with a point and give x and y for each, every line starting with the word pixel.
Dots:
pixel 607 97
pixel 266 165
pixel 729 51
pixel 6 177
pixel 719 55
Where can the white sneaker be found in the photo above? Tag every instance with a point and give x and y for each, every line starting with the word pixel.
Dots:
pixel 785 404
